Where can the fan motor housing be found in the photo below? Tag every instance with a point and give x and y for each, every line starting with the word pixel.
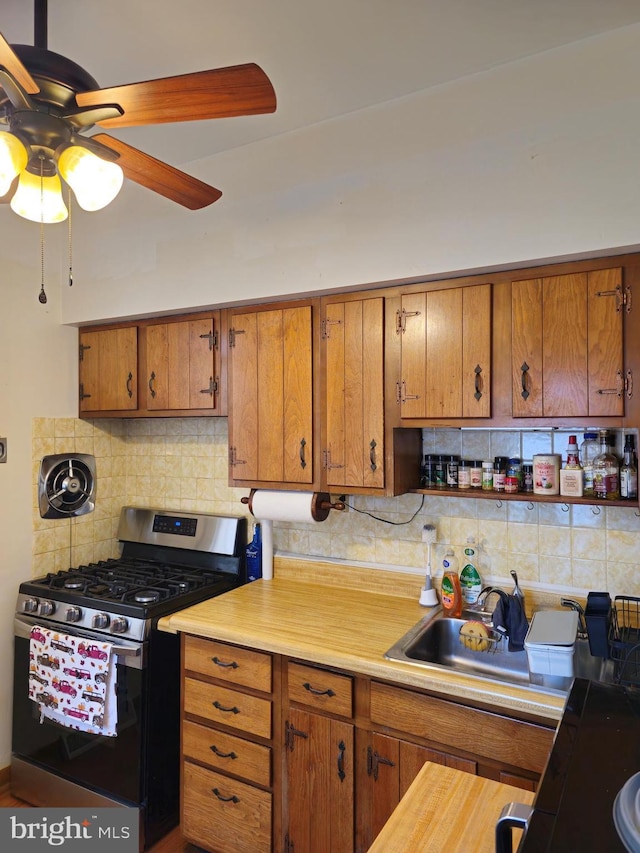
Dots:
pixel 66 485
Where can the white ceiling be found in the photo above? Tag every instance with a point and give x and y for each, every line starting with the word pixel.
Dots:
pixel 325 58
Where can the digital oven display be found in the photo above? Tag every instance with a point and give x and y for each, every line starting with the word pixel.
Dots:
pixel 175 525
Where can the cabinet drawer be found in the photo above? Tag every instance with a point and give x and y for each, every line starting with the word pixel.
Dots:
pixel 503 739
pixel 320 689
pixel 223 814
pixel 229 707
pixel 222 751
pixel 229 663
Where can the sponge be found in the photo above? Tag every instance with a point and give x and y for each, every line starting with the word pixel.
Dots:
pixel 475 636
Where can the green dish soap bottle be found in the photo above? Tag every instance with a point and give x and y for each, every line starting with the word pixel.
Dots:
pixel 470 580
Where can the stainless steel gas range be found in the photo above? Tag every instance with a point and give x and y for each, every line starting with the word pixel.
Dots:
pixel 169 561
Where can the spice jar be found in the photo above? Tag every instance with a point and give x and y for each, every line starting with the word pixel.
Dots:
pixel 440 473
pixel 476 474
pixel 427 480
pixel 487 476
pixel 452 471
pixel 527 477
pixel 499 473
pixel 464 474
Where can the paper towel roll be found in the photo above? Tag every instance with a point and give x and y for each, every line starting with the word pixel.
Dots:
pixel 287 506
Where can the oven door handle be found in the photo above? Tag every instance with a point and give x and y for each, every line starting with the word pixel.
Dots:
pixel 127 655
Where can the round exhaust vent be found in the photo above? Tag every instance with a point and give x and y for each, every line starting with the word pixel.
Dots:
pixel 66 485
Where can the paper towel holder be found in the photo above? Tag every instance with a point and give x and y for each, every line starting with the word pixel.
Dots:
pixel 321 504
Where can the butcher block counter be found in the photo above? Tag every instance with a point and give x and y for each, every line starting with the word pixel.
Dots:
pixel 345 618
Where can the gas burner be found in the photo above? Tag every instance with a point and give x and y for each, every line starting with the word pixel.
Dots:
pixel 74 582
pixel 146 596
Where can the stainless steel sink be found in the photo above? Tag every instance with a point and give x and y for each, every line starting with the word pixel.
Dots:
pixel 434 644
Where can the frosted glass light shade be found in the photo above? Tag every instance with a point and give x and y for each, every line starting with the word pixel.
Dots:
pixel 39 204
pixel 13 159
pixel 94 181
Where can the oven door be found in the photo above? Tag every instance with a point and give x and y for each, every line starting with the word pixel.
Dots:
pixel 109 765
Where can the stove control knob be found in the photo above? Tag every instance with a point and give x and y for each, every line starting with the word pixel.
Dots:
pixel 119 625
pixel 30 605
pixel 100 620
pixel 46 608
pixel 73 614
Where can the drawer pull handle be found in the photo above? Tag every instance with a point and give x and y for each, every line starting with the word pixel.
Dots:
pixel 214 749
pixel 328 692
pixel 220 707
pixel 231 799
pixel 218 662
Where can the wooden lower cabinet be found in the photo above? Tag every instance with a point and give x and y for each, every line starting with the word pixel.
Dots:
pixel 314 760
pixel 227 747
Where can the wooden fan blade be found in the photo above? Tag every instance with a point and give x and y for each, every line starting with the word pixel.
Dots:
pixel 158 176
pixel 14 66
pixel 235 91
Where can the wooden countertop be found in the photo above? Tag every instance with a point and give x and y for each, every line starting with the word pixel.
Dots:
pixel 448 811
pixel 343 626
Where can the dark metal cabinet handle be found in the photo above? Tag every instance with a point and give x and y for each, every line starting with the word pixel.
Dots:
pixel 129 381
pixel 231 799
pixel 231 665
pixel 214 749
pixel 525 370
pixel 303 461
pixel 341 751
pixel 477 382
pixel 290 733
pixel 327 692
pixel 372 454
pixel 151 381
pixel 220 707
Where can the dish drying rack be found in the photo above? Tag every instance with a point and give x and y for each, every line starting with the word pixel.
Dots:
pixel 488 645
pixel 624 640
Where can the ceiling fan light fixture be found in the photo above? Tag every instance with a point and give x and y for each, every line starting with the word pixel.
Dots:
pixel 39 198
pixel 13 159
pixel 95 182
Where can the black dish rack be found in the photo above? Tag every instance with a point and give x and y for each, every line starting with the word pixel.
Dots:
pixel 624 640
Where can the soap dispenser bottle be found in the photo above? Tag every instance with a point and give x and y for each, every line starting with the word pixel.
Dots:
pixel 470 581
pixel 450 592
pixel 254 555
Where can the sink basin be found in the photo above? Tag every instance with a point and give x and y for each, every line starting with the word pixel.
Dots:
pixel 434 644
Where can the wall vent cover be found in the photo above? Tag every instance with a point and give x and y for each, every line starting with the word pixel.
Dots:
pixel 66 485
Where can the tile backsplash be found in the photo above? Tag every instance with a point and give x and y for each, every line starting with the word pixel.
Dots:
pixel 181 463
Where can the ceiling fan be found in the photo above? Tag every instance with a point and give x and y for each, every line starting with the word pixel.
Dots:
pixel 50 104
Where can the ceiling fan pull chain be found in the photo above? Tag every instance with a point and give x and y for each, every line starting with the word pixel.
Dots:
pixel 70 242
pixel 42 297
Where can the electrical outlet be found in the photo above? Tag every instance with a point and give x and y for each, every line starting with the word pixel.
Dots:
pixel 3 449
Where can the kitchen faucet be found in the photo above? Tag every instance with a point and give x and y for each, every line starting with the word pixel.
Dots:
pixel 582 623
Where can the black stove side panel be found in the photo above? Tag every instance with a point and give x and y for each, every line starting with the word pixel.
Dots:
pixel 162 747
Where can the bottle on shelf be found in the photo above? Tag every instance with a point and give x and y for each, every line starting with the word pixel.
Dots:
pixel 573 458
pixel 629 471
pixel 606 471
pixel 589 449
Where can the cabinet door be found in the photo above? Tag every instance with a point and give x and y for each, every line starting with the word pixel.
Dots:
pixel 392 765
pixel 354 448
pixel 108 370
pixel 320 783
pixel 567 347
pixel 271 393
pixel 446 353
pixel 181 365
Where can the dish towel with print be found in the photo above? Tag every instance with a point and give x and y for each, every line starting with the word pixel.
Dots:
pixel 509 620
pixel 72 680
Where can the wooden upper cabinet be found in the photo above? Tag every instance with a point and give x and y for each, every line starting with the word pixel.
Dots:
pixel 446 353
pixel 353 449
pixel 182 365
pixel 271 396
pixel 567 345
pixel 108 370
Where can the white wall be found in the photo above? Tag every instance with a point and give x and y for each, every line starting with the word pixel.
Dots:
pixel 529 161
